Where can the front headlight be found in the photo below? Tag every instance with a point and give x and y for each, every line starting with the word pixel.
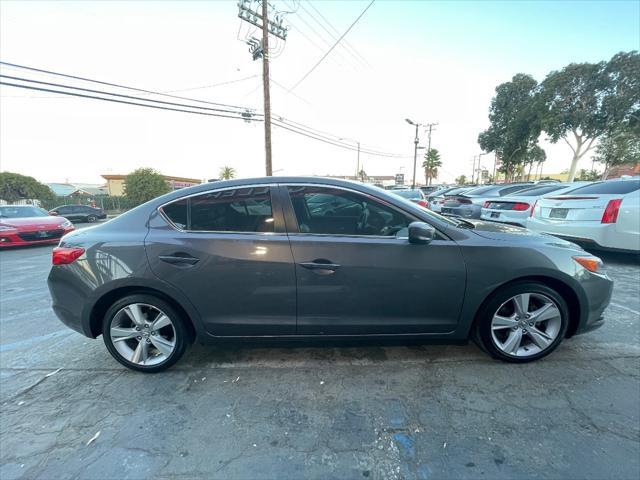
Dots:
pixel 66 224
pixel 591 263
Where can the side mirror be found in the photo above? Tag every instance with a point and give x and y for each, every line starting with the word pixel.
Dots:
pixel 54 214
pixel 421 233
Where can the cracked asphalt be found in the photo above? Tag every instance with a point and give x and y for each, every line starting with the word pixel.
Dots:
pixel 377 411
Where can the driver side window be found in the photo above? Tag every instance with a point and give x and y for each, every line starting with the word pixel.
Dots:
pixel 333 211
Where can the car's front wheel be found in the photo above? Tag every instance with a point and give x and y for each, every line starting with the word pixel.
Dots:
pixel 92 219
pixel 145 333
pixel 522 322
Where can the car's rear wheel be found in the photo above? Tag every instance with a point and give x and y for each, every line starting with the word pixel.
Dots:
pixel 92 219
pixel 522 322
pixel 144 333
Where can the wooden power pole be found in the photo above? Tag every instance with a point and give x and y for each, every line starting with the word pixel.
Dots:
pixel 265 87
pixel 259 48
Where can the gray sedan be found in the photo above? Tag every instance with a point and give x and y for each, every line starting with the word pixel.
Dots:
pixel 312 258
pixel 469 204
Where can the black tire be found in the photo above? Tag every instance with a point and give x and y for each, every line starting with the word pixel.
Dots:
pixel 92 219
pixel 482 328
pixel 182 335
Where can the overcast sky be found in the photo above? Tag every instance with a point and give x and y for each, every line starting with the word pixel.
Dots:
pixel 429 61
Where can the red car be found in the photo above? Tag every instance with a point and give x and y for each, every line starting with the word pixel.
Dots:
pixel 28 225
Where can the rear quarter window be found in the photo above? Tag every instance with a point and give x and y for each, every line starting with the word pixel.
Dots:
pixel 620 187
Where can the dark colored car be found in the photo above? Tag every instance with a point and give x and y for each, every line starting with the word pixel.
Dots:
pixel 79 213
pixel 417 196
pixel 22 225
pixel 469 204
pixel 315 258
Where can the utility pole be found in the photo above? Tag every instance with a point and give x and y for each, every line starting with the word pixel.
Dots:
pixel 473 169
pixel 265 87
pixel 415 150
pixel 261 48
pixel 430 125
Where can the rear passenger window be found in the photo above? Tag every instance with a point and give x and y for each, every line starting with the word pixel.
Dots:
pixel 177 213
pixel 239 210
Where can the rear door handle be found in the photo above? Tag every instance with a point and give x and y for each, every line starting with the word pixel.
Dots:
pixel 179 259
pixel 321 266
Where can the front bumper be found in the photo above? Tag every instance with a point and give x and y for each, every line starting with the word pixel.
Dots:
pixel 20 238
pixel 598 290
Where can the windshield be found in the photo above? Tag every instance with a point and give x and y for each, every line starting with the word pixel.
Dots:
pixel 22 212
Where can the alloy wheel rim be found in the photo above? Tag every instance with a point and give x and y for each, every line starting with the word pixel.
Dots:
pixel 526 324
pixel 143 334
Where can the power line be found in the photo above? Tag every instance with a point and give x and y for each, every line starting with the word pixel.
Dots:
pixel 333 37
pixel 346 42
pixel 331 49
pixel 229 82
pixel 122 101
pixel 283 123
pixel 115 94
pixel 116 85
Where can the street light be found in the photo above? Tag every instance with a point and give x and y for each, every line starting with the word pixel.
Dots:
pixel 479 169
pixel 415 151
pixel 358 161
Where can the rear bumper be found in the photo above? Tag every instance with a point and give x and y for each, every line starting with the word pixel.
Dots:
pixel 505 216
pixel 68 299
pixel 465 211
pixel 599 235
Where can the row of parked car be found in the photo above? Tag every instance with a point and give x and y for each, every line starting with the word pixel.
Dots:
pixel 604 214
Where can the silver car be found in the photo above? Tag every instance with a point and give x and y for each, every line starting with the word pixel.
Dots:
pixel 516 207
pixel 469 204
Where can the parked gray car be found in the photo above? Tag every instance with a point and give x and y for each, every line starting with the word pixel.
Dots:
pixel 315 258
pixel 469 204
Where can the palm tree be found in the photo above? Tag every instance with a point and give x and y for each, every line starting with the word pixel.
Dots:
pixel 227 173
pixel 431 164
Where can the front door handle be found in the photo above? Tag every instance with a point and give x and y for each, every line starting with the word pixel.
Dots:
pixel 179 259
pixel 321 266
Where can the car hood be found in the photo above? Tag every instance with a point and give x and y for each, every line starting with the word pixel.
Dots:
pixel 513 234
pixel 33 222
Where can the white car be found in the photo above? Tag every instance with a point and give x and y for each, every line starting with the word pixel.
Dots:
pixel 604 214
pixel 515 208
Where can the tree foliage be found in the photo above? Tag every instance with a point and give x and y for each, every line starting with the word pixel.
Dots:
pixel 579 104
pixel 227 173
pixel 142 185
pixel 431 164
pixel 618 148
pixel 461 180
pixel 515 123
pixel 14 186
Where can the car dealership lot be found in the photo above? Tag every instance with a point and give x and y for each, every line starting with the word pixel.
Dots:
pixel 323 411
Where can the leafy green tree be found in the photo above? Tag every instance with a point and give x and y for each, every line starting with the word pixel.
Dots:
pixel 584 101
pixel 14 186
pixel 142 185
pixel 431 164
pixel 362 175
pixel 227 173
pixel 618 148
pixel 514 128
pixel 587 175
pixel 461 180
pixel 535 155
